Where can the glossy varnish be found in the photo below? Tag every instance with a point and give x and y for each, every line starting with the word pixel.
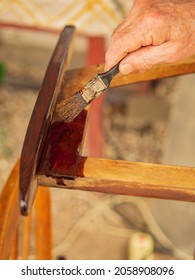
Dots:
pixel 62 148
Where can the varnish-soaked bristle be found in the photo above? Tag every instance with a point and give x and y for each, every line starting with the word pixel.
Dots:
pixel 69 108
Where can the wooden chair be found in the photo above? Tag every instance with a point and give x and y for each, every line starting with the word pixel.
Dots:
pixel 49 159
pixel 16 231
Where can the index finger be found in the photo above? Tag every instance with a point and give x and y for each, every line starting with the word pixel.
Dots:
pixel 122 42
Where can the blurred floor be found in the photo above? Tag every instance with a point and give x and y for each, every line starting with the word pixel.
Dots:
pixel 149 122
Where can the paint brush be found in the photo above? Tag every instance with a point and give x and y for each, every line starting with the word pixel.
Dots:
pixel 69 108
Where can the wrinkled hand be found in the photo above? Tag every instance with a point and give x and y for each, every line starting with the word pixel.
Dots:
pixel 154 32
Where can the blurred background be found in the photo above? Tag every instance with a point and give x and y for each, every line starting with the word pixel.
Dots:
pixel 146 122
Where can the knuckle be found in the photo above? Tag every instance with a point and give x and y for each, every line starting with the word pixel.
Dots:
pixel 153 27
pixel 115 34
pixel 154 18
pixel 119 43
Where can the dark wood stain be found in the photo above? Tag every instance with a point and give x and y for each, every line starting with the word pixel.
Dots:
pixel 41 118
pixel 62 148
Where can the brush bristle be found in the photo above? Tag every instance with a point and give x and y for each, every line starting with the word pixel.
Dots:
pixel 69 108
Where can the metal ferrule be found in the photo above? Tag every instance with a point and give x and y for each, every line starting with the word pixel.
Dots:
pixel 93 89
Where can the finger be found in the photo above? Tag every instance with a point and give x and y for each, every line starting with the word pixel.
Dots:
pixel 121 44
pixel 134 36
pixel 133 13
pixel 124 39
pixel 146 57
pixel 128 20
pixel 137 30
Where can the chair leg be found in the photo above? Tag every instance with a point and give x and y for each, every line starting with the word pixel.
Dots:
pixel 26 228
pixel 14 249
pixel 43 224
pixel 9 213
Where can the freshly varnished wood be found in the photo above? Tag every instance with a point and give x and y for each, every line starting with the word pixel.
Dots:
pixel 62 147
pixel 91 174
pixel 121 177
pixel 118 177
pixel 54 148
pixel 40 120
pixel 129 178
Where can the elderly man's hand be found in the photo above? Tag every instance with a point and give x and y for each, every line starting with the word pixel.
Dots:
pixel 154 32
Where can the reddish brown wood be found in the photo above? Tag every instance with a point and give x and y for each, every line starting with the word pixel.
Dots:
pixel 130 178
pixel 54 147
pixel 62 148
pixel 26 27
pixel 40 120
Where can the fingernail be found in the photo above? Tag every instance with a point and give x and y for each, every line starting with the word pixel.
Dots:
pixel 126 69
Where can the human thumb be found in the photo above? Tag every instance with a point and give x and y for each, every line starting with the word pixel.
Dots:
pixel 146 57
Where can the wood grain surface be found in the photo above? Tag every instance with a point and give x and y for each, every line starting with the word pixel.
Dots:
pixel 83 75
pixel 130 178
pixel 41 118
pixel 9 214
